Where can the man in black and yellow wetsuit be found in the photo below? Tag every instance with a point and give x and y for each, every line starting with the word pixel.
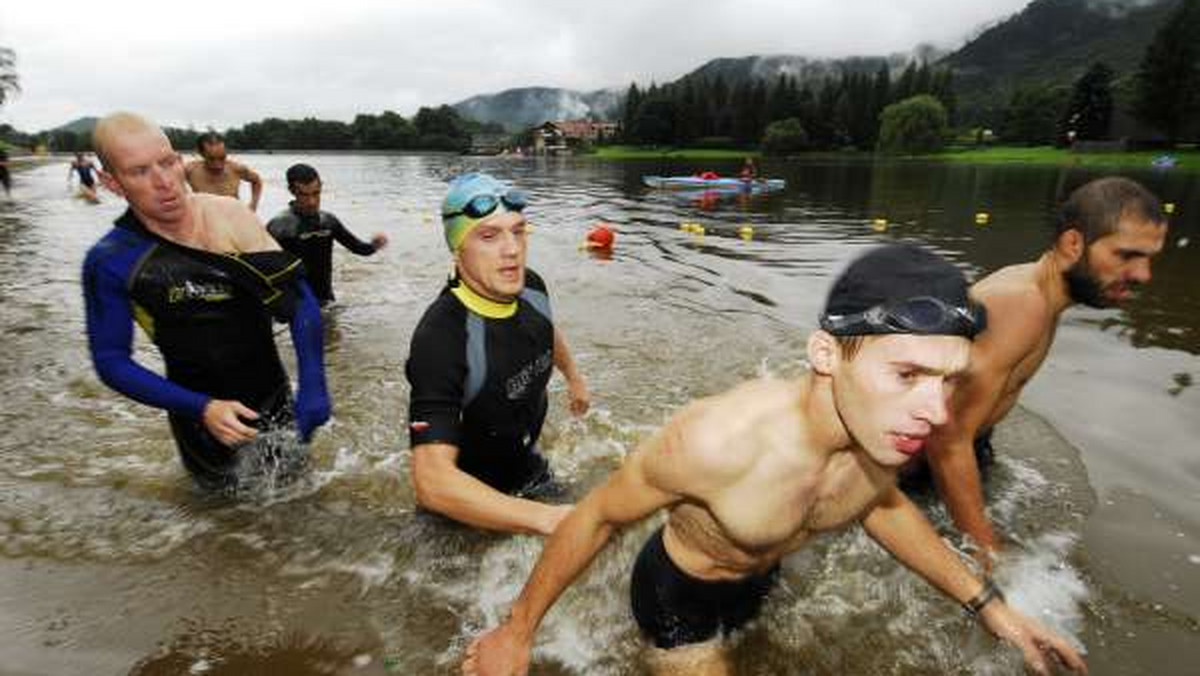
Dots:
pixel 201 275
pixel 308 232
pixel 480 360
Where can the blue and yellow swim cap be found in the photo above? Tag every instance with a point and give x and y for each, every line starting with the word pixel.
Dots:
pixel 473 197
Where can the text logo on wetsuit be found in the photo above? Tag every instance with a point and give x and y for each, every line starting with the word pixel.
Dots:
pixel 209 292
pixel 517 385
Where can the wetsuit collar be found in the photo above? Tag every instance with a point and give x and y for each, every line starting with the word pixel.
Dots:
pixel 484 307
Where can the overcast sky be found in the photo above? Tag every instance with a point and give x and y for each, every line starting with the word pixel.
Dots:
pixel 225 62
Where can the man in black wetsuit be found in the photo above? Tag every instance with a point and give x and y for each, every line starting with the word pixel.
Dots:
pixel 203 278
pixel 478 366
pixel 308 232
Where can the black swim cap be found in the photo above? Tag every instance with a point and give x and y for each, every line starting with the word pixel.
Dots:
pixel 901 288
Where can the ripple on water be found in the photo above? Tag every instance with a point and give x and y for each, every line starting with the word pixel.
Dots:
pixel 95 524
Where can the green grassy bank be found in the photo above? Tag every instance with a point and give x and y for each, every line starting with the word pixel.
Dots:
pixel 1185 159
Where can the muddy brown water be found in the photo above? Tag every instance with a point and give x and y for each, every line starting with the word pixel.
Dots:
pixel 111 564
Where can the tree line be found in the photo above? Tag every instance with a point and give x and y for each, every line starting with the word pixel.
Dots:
pixel 440 129
pixel 837 112
pixel 1163 93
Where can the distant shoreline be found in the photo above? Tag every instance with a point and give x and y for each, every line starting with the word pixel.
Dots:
pixel 1185 159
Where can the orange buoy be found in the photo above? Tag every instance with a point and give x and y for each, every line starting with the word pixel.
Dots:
pixel 601 237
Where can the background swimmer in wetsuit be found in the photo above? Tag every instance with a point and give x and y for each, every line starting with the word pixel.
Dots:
pixel 87 181
pixel 308 232
pixel 478 366
pixel 203 278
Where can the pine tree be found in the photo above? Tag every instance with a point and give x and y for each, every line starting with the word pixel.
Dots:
pixel 1168 80
pixel 1089 113
pixel 633 101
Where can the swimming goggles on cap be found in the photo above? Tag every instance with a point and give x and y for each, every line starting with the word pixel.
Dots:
pixel 918 315
pixel 481 206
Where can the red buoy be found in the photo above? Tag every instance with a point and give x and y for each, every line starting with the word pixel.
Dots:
pixel 601 237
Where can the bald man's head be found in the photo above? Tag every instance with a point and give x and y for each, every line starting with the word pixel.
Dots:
pixel 114 126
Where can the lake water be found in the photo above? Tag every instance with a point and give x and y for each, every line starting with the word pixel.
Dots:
pixel 111 564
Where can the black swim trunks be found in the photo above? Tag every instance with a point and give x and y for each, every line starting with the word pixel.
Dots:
pixel 674 609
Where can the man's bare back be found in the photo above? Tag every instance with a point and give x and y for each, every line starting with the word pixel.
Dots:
pixel 1023 316
pixel 220 225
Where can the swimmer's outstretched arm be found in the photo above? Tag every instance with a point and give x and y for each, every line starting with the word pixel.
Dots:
pixel 444 488
pixel 577 392
pixel 898 525
pixel 355 245
pixel 652 478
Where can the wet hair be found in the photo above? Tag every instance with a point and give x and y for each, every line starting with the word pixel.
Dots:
pixel 208 138
pixel 1095 209
pixel 850 345
pixel 301 173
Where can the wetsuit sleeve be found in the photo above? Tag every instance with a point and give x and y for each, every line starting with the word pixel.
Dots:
pixel 110 340
pixel 312 395
pixel 436 371
pixel 347 238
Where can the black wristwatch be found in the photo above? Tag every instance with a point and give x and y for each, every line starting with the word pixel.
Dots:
pixel 989 593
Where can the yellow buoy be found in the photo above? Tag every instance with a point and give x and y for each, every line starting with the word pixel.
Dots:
pixel 982 218
pixel 698 229
pixel 746 232
pixel 879 224
pixel 685 226
pixel 1168 208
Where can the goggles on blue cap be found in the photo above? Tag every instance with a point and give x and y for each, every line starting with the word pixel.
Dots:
pixel 924 315
pixel 482 206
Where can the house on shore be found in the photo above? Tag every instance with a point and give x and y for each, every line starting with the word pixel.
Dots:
pixel 565 136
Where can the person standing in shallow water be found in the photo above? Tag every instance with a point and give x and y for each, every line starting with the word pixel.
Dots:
pixel 87 181
pixel 478 366
pixel 308 232
pixel 5 178
pixel 1107 233
pixel 214 173
pixel 203 278
pixel 754 473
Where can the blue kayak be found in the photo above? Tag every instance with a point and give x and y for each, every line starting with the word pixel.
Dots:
pixel 697 183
